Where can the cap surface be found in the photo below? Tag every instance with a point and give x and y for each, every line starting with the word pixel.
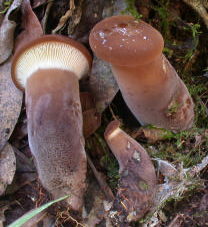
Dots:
pixel 112 129
pixel 49 51
pixel 123 40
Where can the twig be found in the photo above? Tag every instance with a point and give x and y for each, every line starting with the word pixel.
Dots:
pixel 45 18
pixel 199 7
pixel 187 216
pixel 100 180
pixel 177 221
pixel 198 168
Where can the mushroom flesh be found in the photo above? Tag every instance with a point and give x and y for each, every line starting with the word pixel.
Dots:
pixel 149 84
pixel 137 184
pixel 48 69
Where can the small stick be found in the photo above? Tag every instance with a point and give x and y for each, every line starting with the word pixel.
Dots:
pixel 104 186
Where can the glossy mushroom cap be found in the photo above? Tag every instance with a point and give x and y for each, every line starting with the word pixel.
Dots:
pixel 122 40
pixel 149 84
pixel 49 51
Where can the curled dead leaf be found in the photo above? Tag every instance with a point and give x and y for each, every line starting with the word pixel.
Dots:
pixel 91 122
pixel 102 84
pixel 30 24
pixel 37 3
pixel 151 134
pixel 166 168
pixel 7 32
pixel 7 167
pixel 94 203
pixel 87 101
pixel 4 205
pixel 10 103
pixel 91 118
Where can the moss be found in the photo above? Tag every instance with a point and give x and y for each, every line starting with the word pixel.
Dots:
pixel 130 8
pixel 143 186
pixel 112 171
pixel 7 4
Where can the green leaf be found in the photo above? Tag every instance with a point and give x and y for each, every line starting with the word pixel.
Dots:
pixel 32 213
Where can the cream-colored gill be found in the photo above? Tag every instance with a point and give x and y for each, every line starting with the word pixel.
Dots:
pixel 50 55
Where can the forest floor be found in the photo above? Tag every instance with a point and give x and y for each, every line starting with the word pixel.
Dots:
pixel 184 26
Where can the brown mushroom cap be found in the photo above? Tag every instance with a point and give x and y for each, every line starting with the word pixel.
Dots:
pixel 122 40
pixel 49 51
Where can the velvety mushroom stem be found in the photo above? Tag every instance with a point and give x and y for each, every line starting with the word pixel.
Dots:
pixel 55 133
pixel 48 69
pixel 149 84
pixel 137 184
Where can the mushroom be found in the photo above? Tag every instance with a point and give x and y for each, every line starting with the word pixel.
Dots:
pixel 149 84
pixel 137 184
pixel 48 69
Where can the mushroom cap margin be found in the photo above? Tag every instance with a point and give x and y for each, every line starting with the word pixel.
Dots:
pixel 49 51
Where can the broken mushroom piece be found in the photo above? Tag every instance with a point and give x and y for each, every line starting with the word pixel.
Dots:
pixel 137 184
pixel 49 69
pixel 149 84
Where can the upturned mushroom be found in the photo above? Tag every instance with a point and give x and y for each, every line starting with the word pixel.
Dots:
pixel 137 184
pixel 48 69
pixel 149 84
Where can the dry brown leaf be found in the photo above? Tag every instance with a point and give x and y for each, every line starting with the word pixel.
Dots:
pixel 204 202
pixel 91 119
pixel 20 180
pixel 23 163
pixel 25 172
pixel 87 101
pixel 198 139
pixel 166 168
pixel 2 8
pixel 7 33
pixel 7 167
pixel 46 15
pixel 37 3
pixel 30 24
pixel 151 134
pixel 94 203
pixel 4 205
pixel 91 122
pixel 10 103
pixel 102 84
